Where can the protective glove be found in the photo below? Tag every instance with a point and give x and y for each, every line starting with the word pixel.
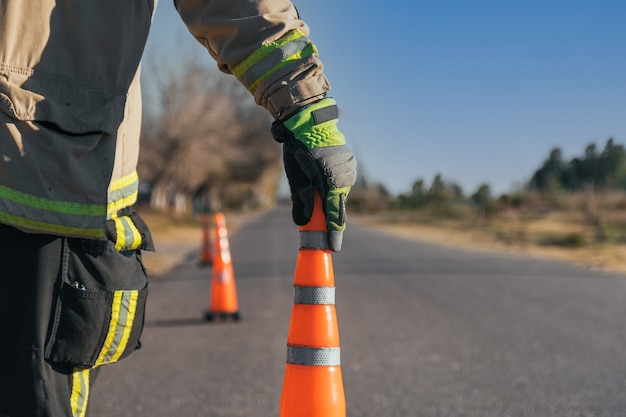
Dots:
pixel 316 157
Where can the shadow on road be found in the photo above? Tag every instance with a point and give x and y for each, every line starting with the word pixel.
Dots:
pixel 192 321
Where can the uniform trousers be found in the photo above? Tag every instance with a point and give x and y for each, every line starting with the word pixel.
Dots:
pixel 38 377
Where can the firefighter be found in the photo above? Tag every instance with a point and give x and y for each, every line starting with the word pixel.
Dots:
pixel 72 286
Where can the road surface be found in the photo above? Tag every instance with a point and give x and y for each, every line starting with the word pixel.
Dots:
pixel 425 330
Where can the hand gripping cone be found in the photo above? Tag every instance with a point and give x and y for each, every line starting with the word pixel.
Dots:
pixel 206 251
pixel 313 385
pixel 223 303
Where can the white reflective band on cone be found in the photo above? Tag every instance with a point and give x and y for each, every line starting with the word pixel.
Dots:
pixel 313 240
pixel 327 356
pixel 314 295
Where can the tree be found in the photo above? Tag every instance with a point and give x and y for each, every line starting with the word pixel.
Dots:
pixel 436 196
pixel 203 138
pixel 550 173
pixel 592 170
pixel 416 198
pixel 612 166
pixel 590 167
pixel 482 199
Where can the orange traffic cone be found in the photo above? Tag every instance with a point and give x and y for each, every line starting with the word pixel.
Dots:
pixel 223 303
pixel 206 255
pixel 313 385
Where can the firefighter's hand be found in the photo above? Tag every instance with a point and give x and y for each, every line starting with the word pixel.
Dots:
pixel 316 158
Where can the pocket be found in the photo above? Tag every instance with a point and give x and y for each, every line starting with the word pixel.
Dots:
pixel 94 325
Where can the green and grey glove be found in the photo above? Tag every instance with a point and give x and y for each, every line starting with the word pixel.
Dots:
pixel 316 158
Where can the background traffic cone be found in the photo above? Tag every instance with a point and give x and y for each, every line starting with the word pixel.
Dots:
pixel 223 303
pixel 207 249
pixel 313 384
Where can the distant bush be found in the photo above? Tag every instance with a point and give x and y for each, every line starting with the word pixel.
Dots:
pixel 570 240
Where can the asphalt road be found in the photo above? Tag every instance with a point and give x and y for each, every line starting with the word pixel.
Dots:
pixel 425 331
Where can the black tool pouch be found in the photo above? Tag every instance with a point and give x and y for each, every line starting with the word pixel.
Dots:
pixel 100 305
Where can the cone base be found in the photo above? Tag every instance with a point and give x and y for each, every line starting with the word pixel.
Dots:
pixel 221 315
pixel 312 391
pixel 224 306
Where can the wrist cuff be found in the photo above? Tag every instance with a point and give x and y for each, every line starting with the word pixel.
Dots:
pixel 291 98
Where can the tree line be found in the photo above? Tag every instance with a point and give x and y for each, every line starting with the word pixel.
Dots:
pixel 594 169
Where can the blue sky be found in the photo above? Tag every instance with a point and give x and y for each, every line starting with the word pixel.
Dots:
pixel 477 91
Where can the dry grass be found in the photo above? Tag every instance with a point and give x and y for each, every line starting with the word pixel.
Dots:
pixel 582 230
pixel 609 257
pixel 176 237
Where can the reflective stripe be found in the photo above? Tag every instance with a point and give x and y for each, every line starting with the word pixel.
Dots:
pixel 122 193
pixel 58 217
pixel 52 228
pixel 80 392
pixel 122 318
pixel 127 236
pixel 273 56
pixel 66 218
pixel 313 240
pixel 327 356
pixel 314 295
pixel 55 206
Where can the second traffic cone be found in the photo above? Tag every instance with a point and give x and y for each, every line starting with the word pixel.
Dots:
pixel 206 251
pixel 223 302
pixel 313 384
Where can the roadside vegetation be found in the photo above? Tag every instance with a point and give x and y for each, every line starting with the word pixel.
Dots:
pixel 572 209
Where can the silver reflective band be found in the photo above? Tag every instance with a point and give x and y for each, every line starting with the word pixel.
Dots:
pixel 314 295
pixel 273 59
pixel 313 240
pixel 298 355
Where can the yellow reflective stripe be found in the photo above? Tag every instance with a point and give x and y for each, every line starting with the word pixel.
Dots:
pixel 120 204
pixel 273 56
pixel 80 392
pixel 57 229
pixel 122 317
pixel 132 234
pixel 310 50
pixel 130 306
pixel 115 310
pixel 56 206
pixel 127 236
pixel 120 234
pixel 28 211
pixel 122 193
pixel 124 181
pixel 265 50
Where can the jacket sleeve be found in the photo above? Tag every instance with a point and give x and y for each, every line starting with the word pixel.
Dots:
pixel 264 44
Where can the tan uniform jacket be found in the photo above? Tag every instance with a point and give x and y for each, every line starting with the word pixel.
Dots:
pixel 70 101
